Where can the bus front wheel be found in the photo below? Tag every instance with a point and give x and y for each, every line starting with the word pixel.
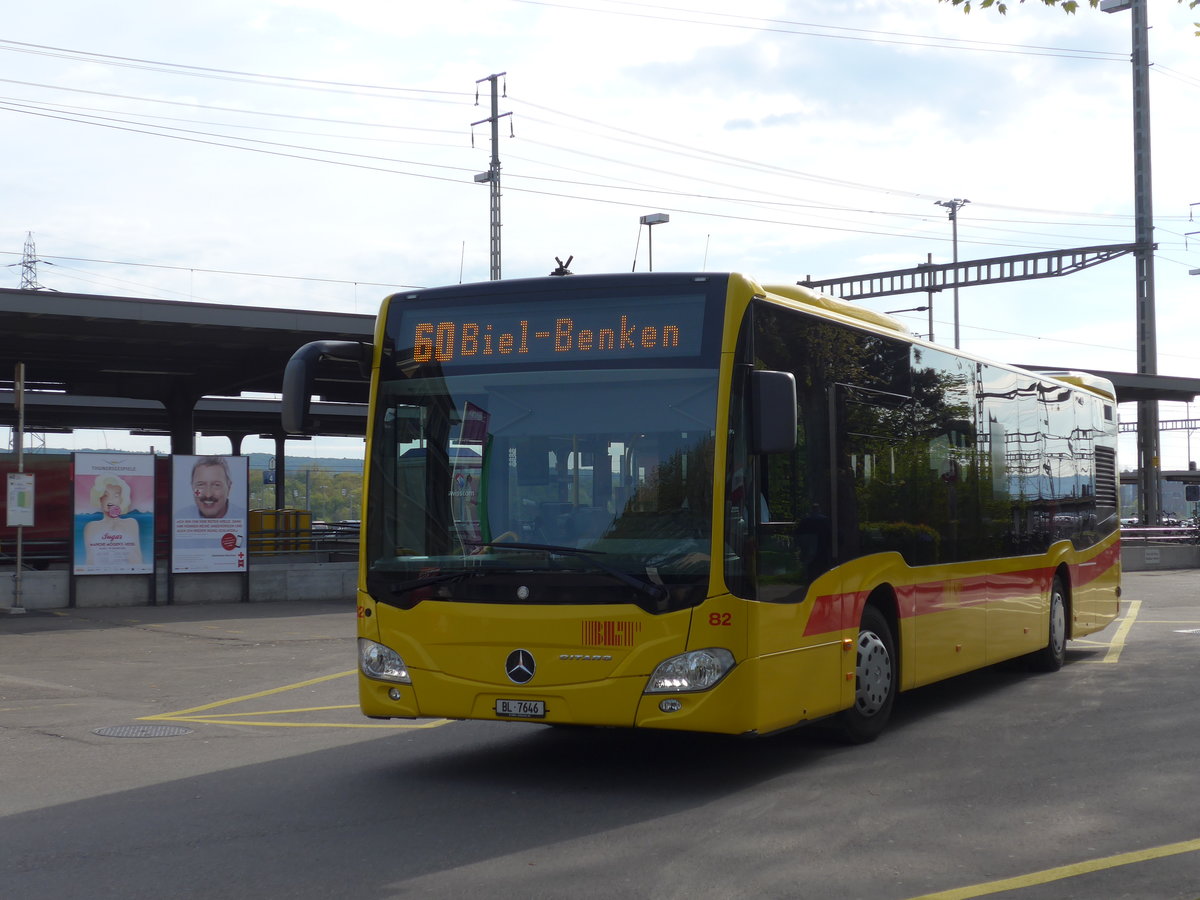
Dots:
pixel 874 679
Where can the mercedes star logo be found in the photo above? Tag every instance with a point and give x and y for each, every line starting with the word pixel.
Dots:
pixel 520 666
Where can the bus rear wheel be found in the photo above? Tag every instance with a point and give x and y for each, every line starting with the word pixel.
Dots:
pixel 875 679
pixel 1051 657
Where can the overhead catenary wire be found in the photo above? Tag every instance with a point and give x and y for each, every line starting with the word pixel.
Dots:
pixel 217 73
pixel 834 32
pixel 277 149
pixel 302 152
pixel 317 84
pixel 776 204
pixel 211 271
pixel 757 23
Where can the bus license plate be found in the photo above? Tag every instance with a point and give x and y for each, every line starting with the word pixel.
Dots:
pixel 521 709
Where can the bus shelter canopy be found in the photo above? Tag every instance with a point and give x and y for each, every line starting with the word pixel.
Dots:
pixel 94 361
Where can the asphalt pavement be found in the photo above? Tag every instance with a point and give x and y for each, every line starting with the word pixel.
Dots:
pixel 205 751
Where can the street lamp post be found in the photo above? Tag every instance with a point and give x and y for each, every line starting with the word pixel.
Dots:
pixel 891 312
pixel 954 206
pixel 650 221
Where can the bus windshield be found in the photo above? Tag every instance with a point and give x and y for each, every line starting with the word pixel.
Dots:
pixel 551 486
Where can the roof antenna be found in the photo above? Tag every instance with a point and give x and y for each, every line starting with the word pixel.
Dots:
pixel 562 266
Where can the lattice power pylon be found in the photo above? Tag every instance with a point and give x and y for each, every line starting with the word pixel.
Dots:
pixel 29 261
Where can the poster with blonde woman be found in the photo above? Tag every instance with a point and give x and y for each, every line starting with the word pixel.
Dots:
pixel 114 514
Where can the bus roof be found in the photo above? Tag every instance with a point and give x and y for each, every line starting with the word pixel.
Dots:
pixel 1085 380
pixel 802 294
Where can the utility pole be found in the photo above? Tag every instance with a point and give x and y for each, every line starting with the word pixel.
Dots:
pixel 929 262
pixel 492 175
pixel 1149 484
pixel 18 606
pixel 1188 234
pixel 954 206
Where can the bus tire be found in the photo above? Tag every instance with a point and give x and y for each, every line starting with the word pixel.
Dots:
pixel 1051 657
pixel 875 679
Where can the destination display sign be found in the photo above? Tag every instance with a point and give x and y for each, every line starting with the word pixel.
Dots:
pixel 585 329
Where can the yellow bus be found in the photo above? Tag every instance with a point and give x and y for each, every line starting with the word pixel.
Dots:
pixel 694 502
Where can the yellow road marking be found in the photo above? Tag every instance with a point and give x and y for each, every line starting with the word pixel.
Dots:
pixel 1118 641
pixel 245 697
pixel 217 720
pixel 231 718
pixel 1061 872
pixel 1117 644
pixel 284 712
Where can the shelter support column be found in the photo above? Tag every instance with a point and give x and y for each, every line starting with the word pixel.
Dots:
pixel 181 405
pixel 235 441
pixel 280 468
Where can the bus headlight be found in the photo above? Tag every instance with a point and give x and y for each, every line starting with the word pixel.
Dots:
pixel 381 663
pixel 697 670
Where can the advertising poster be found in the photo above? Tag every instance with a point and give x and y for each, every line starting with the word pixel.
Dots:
pixel 114 514
pixel 209 522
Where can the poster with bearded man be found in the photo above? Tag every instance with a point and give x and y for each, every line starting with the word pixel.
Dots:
pixel 209 525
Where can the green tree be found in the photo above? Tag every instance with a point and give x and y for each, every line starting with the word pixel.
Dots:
pixel 1067 6
pixel 331 496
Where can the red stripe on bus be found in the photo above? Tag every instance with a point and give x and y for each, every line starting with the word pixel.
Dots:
pixel 1098 567
pixel 828 614
pixel 830 611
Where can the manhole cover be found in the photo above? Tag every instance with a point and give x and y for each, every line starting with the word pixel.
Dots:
pixel 142 731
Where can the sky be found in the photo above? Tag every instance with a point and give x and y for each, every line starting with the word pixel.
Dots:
pixel 313 154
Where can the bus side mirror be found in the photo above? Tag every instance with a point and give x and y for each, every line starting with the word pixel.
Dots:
pixel 301 372
pixel 773 412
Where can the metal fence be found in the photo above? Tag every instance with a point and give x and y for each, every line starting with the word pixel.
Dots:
pixel 332 542
pixel 1172 535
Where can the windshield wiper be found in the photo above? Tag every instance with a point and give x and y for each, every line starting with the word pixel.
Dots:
pixel 443 578
pixel 401 594
pixel 646 588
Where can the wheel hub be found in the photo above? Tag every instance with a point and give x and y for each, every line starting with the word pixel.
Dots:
pixel 874 674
